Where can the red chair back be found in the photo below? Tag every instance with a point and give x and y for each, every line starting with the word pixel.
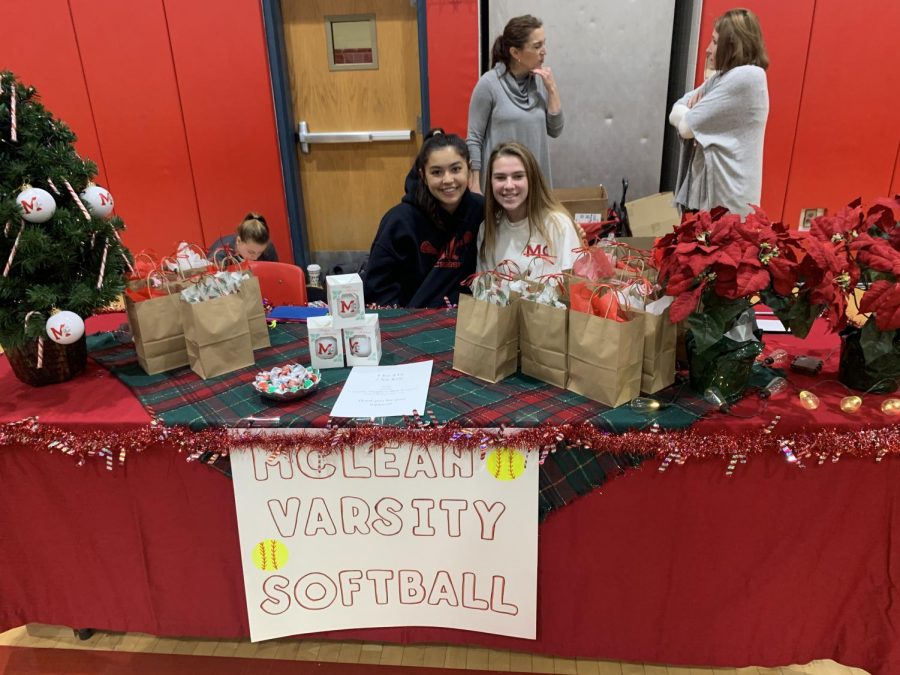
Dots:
pixel 280 283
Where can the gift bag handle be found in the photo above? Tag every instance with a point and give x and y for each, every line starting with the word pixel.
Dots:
pixel 625 304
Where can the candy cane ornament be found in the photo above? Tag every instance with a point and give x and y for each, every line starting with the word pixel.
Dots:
pixel 13 135
pixel 40 344
pixel 103 265
pixel 77 199
pixel 12 253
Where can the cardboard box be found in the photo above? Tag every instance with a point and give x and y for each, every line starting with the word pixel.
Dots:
pixel 362 344
pixel 326 345
pixel 653 216
pixel 585 204
pixel 345 300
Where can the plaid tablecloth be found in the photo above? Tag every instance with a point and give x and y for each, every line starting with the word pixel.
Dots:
pixel 181 397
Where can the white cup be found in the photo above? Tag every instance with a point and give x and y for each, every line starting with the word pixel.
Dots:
pixel 314 272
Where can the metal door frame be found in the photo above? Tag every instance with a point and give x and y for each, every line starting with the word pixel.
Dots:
pixel 286 125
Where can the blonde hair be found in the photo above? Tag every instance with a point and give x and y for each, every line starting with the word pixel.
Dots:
pixel 254 229
pixel 539 203
pixel 740 41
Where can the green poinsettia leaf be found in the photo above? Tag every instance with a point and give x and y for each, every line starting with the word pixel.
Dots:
pixel 795 312
pixel 707 329
pixel 876 343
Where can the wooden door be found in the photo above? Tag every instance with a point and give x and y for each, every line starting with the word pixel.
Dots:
pixel 347 187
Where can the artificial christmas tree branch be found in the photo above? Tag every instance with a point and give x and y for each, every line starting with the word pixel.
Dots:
pixel 74 260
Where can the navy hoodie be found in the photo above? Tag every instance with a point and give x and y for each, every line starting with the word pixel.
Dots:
pixel 413 263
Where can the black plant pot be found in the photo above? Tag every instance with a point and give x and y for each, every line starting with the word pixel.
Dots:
pixel 879 375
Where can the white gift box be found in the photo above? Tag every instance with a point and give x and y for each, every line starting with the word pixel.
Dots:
pixel 362 344
pixel 345 299
pixel 326 347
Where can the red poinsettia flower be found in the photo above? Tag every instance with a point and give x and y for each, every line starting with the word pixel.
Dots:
pixel 716 252
pixel 883 299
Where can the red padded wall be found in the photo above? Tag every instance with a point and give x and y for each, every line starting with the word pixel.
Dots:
pixel 849 127
pixel 130 78
pixel 452 62
pixel 222 68
pixel 895 183
pixel 786 30
pixel 55 72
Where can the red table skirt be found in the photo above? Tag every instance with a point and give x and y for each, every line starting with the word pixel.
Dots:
pixel 775 565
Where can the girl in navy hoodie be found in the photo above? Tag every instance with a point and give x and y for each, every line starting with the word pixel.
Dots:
pixel 425 246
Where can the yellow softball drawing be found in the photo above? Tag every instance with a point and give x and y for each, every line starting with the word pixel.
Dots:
pixel 270 554
pixel 506 463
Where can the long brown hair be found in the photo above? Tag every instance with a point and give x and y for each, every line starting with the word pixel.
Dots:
pixel 515 34
pixel 740 41
pixel 539 203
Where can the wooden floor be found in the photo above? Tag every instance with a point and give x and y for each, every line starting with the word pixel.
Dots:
pixel 435 656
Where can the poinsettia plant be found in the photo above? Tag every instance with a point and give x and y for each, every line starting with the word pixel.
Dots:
pixel 717 266
pixel 857 252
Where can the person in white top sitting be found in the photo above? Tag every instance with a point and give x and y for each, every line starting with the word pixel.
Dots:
pixel 524 222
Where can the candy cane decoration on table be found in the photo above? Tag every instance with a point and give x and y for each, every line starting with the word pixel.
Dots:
pixel 103 265
pixel 40 345
pixel 12 253
pixel 77 199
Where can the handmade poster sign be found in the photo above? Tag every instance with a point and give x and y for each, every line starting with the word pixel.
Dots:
pixel 392 536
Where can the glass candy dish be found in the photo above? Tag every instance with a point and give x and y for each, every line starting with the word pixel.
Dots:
pixel 287 383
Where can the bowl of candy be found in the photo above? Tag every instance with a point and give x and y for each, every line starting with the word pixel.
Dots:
pixel 287 383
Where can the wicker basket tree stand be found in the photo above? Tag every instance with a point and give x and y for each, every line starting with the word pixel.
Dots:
pixel 59 362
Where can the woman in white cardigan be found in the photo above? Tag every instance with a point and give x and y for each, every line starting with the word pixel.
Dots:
pixel 723 121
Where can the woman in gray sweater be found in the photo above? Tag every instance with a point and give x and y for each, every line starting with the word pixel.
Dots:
pixel 723 121
pixel 517 100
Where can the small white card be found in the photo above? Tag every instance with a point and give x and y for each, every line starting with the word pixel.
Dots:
pixel 384 391
pixel 771 326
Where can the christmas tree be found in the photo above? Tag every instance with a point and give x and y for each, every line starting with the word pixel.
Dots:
pixel 70 258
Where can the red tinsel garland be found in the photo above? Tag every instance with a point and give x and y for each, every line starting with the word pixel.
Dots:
pixel 115 446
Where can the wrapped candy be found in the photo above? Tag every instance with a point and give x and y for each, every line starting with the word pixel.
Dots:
pixel 288 381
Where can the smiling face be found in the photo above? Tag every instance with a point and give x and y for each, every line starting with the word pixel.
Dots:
pixel 530 55
pixel 509 183
pixel 446 174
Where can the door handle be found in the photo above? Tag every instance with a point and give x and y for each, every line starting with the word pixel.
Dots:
pixel 305 137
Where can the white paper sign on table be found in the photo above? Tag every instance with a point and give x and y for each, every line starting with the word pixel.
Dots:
pixel 384 391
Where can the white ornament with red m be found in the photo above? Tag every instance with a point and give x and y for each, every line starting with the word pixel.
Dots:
pixel 98 200
pixel 36 205
pixel 65 327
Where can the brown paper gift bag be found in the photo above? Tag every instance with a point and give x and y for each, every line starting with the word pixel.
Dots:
pixel 256 316
pixel 251 294
pixel 543 342
pixel 606 356
pixel 217 335
pixel 157 329
pixel 487 339
pixel 659 352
